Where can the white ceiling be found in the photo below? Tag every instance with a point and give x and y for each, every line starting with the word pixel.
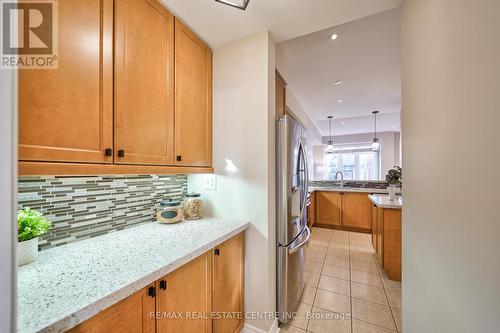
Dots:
pixel 366 57
pixel 386 122
pixel 219 24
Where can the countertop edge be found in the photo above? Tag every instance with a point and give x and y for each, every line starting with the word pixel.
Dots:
pixel 113 298
pixel 383 205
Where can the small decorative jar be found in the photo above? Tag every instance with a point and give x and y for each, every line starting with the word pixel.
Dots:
pixel 193 206
pixel 170 212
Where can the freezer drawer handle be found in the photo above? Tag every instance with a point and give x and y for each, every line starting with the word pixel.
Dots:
pixel 302 244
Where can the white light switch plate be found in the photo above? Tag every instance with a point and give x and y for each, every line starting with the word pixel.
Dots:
pixel 210 182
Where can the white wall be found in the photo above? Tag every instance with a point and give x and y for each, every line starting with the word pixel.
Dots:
pixel 243 132
pixel 8 201
pixel 389 150
pixel 451 123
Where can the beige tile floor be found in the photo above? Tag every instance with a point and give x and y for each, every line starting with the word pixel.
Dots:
pixel 346 291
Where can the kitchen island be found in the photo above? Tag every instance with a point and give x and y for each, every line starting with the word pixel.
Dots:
pixel 70 284
pixel 342 207
pixel 386 233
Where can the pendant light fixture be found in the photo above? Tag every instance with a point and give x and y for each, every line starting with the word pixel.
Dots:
pixel 375 143
pixel 329 147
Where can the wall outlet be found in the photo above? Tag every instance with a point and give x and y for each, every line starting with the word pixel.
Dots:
pixel 210 182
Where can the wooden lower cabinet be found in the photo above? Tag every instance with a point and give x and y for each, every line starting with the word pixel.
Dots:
pixel 188 292
pixel 131 315
pixel 187 300
pixel 228 285
pixel 386 240
pixel 349 211
pixel 356 210
pixel 328 208
pixel 392 243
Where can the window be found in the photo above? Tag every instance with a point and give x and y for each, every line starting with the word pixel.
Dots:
pixel 356 161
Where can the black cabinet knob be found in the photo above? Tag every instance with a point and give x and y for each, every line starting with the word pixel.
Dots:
pixel 179 158
pixel 121 153
pixel 108 152
pixel 217 252
pixel 163 285
pixel 152 291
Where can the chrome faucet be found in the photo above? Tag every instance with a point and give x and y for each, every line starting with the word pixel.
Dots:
pixel 341 178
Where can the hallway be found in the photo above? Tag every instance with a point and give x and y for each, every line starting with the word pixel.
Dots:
pixel 343 278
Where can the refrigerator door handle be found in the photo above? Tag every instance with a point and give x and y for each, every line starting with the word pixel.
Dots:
pixel 306 179
pixel 301 244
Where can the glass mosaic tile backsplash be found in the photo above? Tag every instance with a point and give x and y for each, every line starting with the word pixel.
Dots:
pixel 83 207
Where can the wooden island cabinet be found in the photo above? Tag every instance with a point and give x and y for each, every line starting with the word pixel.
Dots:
pixel 387 240
pixel 343 210
pixel 185 299
pixel 355 211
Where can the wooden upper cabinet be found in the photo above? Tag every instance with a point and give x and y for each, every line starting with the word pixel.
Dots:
pixel 356 211
pixel 66 114
pixel 188 290
pixel 193 99
pixel 328 208
pixel 133 314
pixel 228 284
pixel 144 83
pixel 280 87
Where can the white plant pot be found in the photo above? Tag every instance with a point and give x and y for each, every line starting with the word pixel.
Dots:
pixel 392 192
pixel 27 251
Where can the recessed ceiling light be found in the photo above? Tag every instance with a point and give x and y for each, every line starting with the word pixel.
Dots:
pixel 343 123
pixel 240 4
pixel 337 82
pixel 340 100
pixel 333 36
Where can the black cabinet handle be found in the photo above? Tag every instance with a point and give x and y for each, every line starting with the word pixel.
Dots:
pixel 217 252
pixel 121 153
pixel 108 152
pixel 179 158
pixel 163 285
pixel 152 291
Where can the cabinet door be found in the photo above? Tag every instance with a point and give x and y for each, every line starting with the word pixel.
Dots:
pixel 193 99
pixel 374 227
pixel 392 243
pixel 66 114
pixel 328 209
pixel 228 288
pixel 356 211
pixel 133 314
pixel 380 236
pixel 188 295
pixel 144 72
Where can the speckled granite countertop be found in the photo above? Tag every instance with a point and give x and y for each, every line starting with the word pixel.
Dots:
pixel 383 201
pixel 69 284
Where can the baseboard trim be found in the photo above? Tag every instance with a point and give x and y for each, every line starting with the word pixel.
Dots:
pixel 247 328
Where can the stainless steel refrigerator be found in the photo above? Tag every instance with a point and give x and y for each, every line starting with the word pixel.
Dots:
pixel 291 214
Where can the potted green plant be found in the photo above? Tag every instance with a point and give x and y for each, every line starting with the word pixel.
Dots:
pixel 394 178
pixel 30 225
